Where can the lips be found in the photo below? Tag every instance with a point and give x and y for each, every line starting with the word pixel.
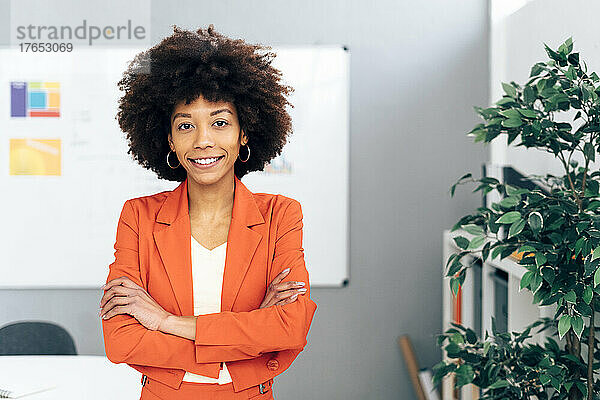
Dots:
pixel 205 166
pixel 205 158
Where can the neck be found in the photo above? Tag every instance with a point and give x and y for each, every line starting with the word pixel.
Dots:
pixel 211 202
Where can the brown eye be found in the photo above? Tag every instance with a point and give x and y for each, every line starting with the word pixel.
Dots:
pixel 185 123
pixel 224 122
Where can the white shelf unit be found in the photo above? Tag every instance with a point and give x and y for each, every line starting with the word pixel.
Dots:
pixel 520 312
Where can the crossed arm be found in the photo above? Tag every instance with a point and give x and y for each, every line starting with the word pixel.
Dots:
pixel 197 343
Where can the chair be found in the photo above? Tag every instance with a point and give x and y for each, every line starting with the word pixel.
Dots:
pixel 35 338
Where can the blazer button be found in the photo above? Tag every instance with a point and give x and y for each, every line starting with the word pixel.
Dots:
pixel 273 364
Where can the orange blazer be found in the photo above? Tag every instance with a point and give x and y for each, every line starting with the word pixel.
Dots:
pixel 153 249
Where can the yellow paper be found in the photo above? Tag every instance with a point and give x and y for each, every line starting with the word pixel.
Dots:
pixel 35 157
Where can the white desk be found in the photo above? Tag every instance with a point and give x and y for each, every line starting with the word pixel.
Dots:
pixel 75 377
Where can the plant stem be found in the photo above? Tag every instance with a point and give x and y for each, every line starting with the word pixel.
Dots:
pixel 569 343
pixel 574 346
pixel 587 163
pixel 562 159
pixel 590 371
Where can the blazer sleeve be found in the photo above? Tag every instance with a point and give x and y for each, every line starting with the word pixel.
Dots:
pixel 128 341
pixel 274 328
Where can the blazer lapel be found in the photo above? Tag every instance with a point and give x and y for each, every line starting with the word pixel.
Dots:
pixel 172 234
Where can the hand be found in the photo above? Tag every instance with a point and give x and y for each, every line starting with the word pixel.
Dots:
pixel 282 293
pixel 123 296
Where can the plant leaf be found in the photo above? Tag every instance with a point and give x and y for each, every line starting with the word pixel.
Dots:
pixel 473 229
pixel 516 228
pixel 597 277
pixel 510 201
pixel 464 375
pixel 527 112
pixel 588 293
pixel 454 285
pixel 461 242
pixel 564 324
pixel 476 242
pixel 509 89
pixel 570 297
pixel 596 253
pixel 535 221
pixel 577 324
pixel 525 279
pixel 498 384
pixel 509 217
pixel 512 122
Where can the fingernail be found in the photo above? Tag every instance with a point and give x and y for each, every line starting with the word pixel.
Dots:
pixel 302 290
pixel 300 283
pixel 294 297
pixel 103 286
pixel 286 270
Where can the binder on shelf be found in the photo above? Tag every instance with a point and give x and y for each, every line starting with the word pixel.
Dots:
pixel 426 379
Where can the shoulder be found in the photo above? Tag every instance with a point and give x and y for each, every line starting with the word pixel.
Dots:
pixel 274 201
pixel 150 200
pixel 145 206
pixel 277 207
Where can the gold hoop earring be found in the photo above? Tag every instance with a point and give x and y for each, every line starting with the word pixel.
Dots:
pixel 248 147
pixel 169 163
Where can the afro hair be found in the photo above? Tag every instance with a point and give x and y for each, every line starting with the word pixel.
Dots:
pixel 204 63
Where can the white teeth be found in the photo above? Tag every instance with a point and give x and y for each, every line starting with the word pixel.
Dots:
pixel 206 161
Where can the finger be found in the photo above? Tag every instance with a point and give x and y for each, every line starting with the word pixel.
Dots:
pixel 286 297
pixel 116 291
pixel 280 276
pixel 288 300
pixel 289 285
pixel 131 284
pixel 288 293
pixel 116 311
pixel 133 289
pixel 282 295
pixel 273 286
pixel 115 301
pixel 271 298
pixel 124 306
pixel 274 290
pixel 114 282
pixel 268 297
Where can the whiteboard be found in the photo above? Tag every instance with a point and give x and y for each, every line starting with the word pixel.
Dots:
pixel 66 172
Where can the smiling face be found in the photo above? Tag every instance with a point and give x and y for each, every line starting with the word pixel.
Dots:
pixel 203 131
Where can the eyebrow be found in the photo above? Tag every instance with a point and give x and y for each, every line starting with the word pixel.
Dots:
pixel 185 115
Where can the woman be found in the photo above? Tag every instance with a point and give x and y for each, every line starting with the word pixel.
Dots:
pixel 208 296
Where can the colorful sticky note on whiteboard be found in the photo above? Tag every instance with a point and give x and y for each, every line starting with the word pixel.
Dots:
pixel 34 157
pixel 35 99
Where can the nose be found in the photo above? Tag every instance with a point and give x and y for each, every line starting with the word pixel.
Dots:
pixel 203 138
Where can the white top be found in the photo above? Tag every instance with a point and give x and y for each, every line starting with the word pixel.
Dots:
pixel 207 273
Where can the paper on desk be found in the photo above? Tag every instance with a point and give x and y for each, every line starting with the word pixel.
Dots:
pixel 22 387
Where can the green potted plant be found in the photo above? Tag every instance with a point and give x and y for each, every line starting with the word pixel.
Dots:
pixel 556 230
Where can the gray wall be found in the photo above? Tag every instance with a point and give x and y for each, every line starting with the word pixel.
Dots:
pixel 417 69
